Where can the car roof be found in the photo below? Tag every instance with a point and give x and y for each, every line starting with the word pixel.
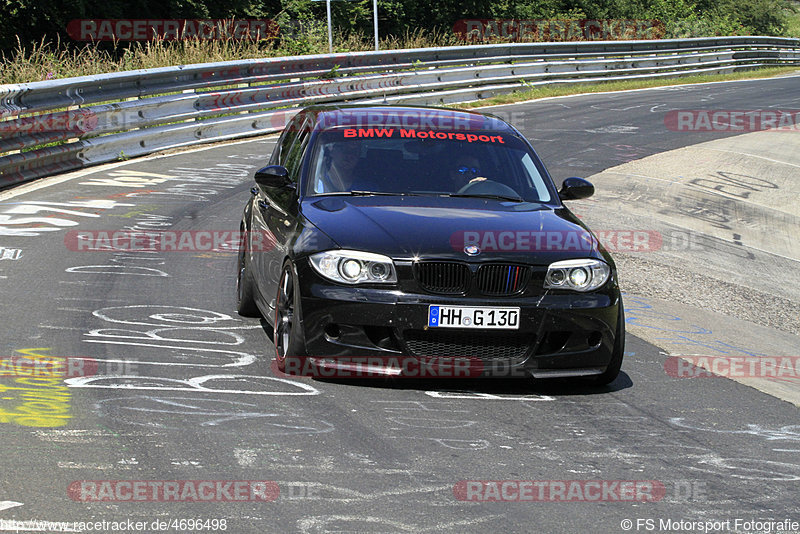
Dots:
pixel 382 115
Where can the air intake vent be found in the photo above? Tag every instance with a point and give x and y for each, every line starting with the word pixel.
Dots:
pixel 468 345
pixel 502 279
pixel 443 277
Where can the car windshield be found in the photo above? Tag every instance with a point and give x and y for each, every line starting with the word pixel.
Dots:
pixel 404 161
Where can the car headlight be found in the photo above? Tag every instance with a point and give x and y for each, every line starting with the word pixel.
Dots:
pixel 578 275
pixel 354 267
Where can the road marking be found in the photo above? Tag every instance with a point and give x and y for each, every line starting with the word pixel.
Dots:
pixel 48 181
pixel 245 457
pixel 78 465
pixel 10 253
pixel 784 433
pixel 217 414
pixel 334 523
pixel 486 396
pixel 5 505
pixel 192 384
pixel 748 468
pixel 116 269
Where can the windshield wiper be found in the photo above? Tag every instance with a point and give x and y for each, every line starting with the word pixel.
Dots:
pixel 372 193
pixel 496 197
pixel 376 193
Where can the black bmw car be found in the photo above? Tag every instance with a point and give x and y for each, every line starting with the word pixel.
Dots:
pixel 417 241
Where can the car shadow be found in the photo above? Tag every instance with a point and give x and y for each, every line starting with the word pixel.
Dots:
pixel 494 386
pixel 489 386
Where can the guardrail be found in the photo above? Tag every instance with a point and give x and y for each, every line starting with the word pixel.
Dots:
pixel 60 125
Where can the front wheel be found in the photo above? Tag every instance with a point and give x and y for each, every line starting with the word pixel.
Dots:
pixel 287 334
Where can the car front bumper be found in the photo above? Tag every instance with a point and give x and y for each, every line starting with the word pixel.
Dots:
pixel 385 332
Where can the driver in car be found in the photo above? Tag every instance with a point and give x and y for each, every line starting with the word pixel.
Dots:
pixel 465 171
pixel 466 176
pixel 341 173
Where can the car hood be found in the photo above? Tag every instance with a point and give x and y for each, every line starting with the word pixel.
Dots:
pixel 407 227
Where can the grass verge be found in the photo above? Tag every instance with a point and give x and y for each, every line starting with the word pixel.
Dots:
pixel 48 60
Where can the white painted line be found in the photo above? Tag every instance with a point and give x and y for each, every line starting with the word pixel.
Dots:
pixel 5 505
pixel 78 465
pixel 193 384
pixel 332 522
pixel 243 360
pixel 10 253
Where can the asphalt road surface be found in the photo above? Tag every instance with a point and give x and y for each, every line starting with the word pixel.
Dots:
pixel 184 389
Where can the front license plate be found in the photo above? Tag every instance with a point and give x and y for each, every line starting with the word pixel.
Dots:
pixel 468 317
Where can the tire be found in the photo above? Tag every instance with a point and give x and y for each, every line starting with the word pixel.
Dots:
pixel 614 366
pixel 287 334
pixel 245 302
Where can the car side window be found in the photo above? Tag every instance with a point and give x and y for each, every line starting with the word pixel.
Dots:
pixel 289 137
pixel 535 178
pixel 294 158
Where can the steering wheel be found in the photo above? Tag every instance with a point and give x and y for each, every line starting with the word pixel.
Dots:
pixel 487 187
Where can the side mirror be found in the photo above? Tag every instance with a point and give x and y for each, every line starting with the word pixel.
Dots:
pixel 274 176
pixel 575 188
